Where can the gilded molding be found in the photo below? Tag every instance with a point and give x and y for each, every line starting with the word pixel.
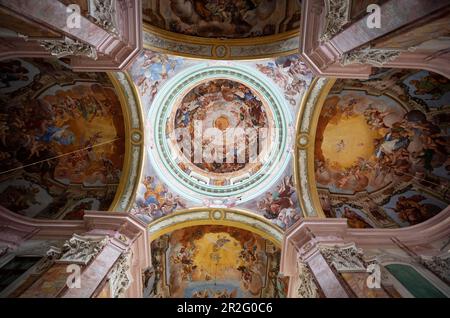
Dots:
pixel 213 216
pixel 134 137
pixel 159 40
pixel 368 55
pixel 69 47
pixel 306 126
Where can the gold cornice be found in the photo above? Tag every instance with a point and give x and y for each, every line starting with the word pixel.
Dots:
pixel 127 128
pixel 213 57
pixel 219 41
pixel 298 133
pixel 211 220
pixel 309 146
pixel 227 44
pixel 129 144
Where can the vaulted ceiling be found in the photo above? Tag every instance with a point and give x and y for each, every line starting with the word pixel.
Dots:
pixel 231 19
pixel 62 146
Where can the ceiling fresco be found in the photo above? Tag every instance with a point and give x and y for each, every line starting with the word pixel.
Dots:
pixel 221 104
pixel 222 94
pixel 62 146
pixel 382 149
pixel 214 262
pixel 241 149
pixel 224 18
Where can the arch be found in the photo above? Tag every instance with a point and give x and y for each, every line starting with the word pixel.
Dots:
pixel 248 35
pixel 211 216
pixel 217 246
pixel 134 146
pixel 305 132
pixel 168 42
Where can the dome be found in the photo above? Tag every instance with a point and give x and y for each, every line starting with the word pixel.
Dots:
pixel 220 132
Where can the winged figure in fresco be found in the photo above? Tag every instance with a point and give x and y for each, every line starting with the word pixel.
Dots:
pixel 222 18
pixel 289 73
pixel 413 210
pixel 219 243
pixel 157 68
pixel 276 201
pixel 432 84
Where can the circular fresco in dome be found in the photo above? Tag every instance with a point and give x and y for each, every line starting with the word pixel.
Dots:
pixel 221 106
pixel 225 18
pixel 219 132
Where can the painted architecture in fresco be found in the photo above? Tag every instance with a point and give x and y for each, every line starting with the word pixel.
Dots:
pixel 382 149
pixel 214 262
pixel 62 140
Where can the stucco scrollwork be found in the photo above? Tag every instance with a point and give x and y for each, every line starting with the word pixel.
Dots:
pixel 337 15
pixel 344 258
pixel 306 286
pixel 80 250
pixel 368 55
pixel 69 47
pixel 120 278
pixel 439 265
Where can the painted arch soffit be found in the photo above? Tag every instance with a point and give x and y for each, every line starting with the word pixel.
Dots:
pixel 134 146
pixel 305 132
pixel 230 29
pixel 216 216
pixel 217 248
pixel 221 49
